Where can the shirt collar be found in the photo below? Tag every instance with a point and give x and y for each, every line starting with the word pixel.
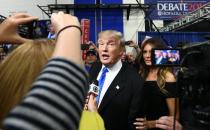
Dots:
pixel 115 67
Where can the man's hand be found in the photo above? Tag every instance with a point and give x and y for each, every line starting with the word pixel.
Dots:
pixel 8 28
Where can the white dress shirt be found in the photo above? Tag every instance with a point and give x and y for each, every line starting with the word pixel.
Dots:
pixel 110 75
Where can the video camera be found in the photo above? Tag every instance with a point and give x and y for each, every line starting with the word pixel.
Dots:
pixel 192 81
pixel 194 85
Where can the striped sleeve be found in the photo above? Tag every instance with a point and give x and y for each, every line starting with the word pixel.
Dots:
pixel 55 101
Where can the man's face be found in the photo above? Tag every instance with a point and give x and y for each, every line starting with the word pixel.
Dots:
pixel 164 54
pixel 110 50
pixel 158 54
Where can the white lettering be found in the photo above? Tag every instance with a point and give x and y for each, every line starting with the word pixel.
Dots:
pixel 160 6
pixel 172 7
pixel 169 13
pixel 177 7
pixel 185 7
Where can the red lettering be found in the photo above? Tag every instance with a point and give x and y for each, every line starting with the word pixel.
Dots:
pixel 194 6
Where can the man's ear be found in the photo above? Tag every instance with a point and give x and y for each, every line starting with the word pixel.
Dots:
pixel 121 51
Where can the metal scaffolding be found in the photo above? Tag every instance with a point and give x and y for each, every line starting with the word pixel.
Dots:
pixel 49 9
pixel 196 16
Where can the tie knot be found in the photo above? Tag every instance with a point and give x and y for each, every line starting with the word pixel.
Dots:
pixel 104 70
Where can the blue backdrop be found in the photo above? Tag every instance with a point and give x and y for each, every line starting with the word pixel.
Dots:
pixel 172 38
pixel 101 19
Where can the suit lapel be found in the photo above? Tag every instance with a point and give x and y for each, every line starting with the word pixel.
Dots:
pixel 115 87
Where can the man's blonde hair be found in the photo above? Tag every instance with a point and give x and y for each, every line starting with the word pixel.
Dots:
pixel 18 71
pixel 115 34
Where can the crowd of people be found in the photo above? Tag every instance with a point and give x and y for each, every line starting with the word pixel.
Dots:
pixel 44 82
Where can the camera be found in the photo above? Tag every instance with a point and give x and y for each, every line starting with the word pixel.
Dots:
pixel 194 86
pixel 193 72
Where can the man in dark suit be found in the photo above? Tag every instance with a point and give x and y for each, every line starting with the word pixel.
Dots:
pixel 120 97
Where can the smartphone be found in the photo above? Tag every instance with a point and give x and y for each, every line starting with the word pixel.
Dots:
pixel 166 57
pixel 41 28
pixel 35 29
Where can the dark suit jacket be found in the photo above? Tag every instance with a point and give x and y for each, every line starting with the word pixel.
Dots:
pixel 120 107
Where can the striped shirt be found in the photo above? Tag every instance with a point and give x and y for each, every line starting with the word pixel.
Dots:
pixel 55 101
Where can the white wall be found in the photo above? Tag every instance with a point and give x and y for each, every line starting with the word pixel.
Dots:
pixel 7 7
pixel 158 23
pixel 135 23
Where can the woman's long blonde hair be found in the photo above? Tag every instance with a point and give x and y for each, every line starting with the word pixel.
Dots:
pixel 144 70
pixel 18 71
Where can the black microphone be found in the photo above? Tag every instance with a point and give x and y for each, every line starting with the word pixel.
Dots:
pixel 94 88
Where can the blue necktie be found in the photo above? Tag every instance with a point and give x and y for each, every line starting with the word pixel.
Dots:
pixel 101 82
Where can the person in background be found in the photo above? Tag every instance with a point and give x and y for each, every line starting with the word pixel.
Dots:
pixel 120 86
pixel 91 57
pixel 159 88
pixel 51 34
pixel 164 59
pixel 131 54
pixel 134 45
pixel 124 57
pixel 158 56
pixel 55 101
pixel 92 46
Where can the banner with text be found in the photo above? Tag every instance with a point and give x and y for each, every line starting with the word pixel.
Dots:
pixel 172 9
pixel 85 25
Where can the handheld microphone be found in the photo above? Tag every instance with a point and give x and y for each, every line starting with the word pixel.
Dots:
pixel 94 88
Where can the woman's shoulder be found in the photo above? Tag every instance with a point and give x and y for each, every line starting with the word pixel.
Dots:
pixel 170 77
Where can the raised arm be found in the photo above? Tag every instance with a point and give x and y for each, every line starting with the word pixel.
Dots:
pixel 56 99
pixel 68 41
pixel 8 29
